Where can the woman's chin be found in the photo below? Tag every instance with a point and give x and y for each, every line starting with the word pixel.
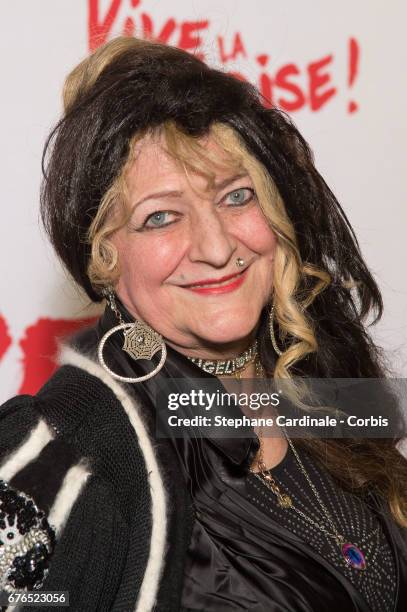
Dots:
pixel 225 335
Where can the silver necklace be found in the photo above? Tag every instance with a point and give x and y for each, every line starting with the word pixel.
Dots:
pixel 227 367
pixel 352 554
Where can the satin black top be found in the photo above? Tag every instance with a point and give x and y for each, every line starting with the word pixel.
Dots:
pixel 245 555
pixel 233 562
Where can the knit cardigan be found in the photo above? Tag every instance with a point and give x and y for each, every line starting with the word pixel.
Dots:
pixel 82 450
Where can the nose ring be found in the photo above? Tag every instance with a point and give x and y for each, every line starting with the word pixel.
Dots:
pixel 239 262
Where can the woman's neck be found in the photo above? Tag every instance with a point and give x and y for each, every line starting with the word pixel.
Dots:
pixel 215 351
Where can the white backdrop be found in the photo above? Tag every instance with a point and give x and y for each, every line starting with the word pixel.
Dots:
pixel 338 66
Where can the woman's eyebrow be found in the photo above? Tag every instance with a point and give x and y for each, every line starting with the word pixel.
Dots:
pixel 230 179
pixel 159 194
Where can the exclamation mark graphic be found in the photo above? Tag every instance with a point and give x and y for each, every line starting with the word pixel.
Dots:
pixel 353 70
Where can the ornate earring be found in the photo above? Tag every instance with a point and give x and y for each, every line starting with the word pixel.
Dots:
pixel 272 335
pixel 140 342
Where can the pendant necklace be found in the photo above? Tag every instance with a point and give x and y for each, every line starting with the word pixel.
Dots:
pixel 351 554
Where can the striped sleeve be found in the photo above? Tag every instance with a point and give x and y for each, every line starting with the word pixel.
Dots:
pixel 41 477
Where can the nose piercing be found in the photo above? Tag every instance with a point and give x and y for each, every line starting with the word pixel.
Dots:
pixel 239 262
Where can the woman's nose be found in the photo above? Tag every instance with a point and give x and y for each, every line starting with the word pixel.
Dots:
pixel 211 242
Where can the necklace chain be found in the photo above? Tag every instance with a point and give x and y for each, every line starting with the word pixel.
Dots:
pixel 285 500
pixel 339 538
pixel 352 554
pixel 258 369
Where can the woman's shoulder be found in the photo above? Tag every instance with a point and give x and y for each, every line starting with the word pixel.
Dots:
pixel 79 395
pixel 42 475
pixel 65 452
pixel 79 413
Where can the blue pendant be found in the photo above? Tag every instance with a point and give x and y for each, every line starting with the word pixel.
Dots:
pixel 353 556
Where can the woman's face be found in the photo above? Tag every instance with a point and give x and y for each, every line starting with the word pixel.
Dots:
pixel 181 241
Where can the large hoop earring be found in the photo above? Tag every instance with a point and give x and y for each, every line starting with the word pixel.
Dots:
pixel 272 335
pixel 140 342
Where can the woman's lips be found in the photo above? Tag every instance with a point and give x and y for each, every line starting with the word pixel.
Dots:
pixel 221 287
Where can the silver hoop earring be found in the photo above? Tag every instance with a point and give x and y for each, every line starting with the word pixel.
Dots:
pixel 272 335
pixel 140 342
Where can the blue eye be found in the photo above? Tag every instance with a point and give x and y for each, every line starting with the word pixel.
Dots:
pixel 240 196
pixel 158 219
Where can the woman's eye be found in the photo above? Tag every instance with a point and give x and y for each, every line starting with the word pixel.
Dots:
pixel 159 219
pixel 240 196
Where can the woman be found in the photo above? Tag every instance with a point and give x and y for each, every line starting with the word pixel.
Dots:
pixel 198 214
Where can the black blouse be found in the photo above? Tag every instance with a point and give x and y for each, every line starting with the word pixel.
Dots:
pixel 232 562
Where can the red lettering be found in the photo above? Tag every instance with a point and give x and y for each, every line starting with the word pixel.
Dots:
pixel 129 27
pixel 318 79
pixel 188 40
pixel 40 345
pixel 262 59
pixel 265 82
pixel 353 69
pixel 98 31
pixel 282 81
pixel 238 48
pixel 166 31
pixel 285 82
